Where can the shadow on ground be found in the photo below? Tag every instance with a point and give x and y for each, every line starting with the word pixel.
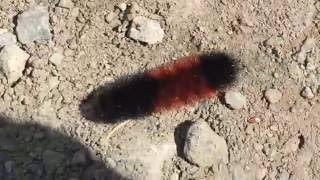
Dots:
pixel 180 134
pixel 33 152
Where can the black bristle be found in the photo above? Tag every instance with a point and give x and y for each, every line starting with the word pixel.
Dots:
pixel 220 69
pixel 128 98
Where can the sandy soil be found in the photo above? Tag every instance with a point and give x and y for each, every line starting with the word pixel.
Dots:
pixel 277 43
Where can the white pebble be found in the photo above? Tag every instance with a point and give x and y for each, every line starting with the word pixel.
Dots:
pixel 122 6
pixel 56 58
pixel 12 62
pixel 307 93
pixel 273 95
pixel 146 30
pixel 7 38
pixel 65 4
pixel 235 100
pixel 53 82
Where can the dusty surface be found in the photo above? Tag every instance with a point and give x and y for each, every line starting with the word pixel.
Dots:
pixel 276 41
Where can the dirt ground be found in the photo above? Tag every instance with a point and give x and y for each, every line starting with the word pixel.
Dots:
pixel 277 43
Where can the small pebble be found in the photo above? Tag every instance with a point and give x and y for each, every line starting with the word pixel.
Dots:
pixel 307 93
pixel 110 17
pixel 261 174
pixel 38 135
pixel 68 52
pixel 56 58
pixel 258 147
pixel 9 166
pixel 80 157
pixel 65 4
pixel 254 120
pixel 307 45
pixel 52 159
pixel 274 41
pixel 146 30
pixel 235 100
pixel 12 62
pixel 7 38
pixel 305 156
pixel 274 128
pixel 273 95
pixel 122 6
pixel 249 129
pixel 291 145
pixel 53 82
pixel 73 44
pixel 174 176
pixel 75 12
pixel 284 176
pixel 294 71
pixel 310 66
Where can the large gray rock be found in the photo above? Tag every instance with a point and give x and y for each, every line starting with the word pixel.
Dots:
pixel 146 30
pixel 12 62
pixel 33 25
pixel 204 147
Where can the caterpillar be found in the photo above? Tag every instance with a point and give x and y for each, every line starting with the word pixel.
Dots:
pixel 172 85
